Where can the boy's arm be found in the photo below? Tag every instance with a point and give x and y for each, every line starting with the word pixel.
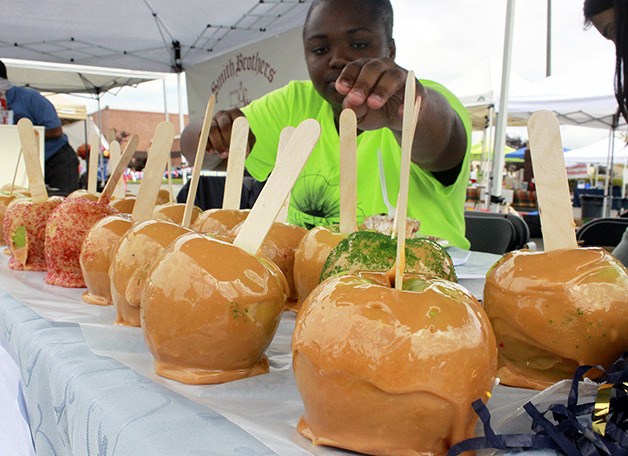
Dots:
pixel 374 89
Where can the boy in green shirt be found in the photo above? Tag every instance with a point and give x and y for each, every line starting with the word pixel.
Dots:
pixel 349 51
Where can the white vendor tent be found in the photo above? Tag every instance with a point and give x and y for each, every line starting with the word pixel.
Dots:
pixel 576 97
pixel 597 153
pixel 150 35
pixel 478 89
pixel 72 78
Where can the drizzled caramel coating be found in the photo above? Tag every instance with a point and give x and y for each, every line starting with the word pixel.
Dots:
pixel 309 258
pixel 553 311
pixel 219 221
pixel 210 310
pixel 137 251
pixel 97 252
pixel 382 371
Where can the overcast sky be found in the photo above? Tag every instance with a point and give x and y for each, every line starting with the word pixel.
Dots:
pixel 443 39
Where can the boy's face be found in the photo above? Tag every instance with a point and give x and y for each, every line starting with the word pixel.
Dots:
pixel 339 32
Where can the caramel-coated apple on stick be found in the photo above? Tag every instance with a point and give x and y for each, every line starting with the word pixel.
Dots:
pixel 222 221
pixel 555 310
pixel 377 356
pixel 317 244
pixel 212 321
pixel 142 244
pixel 283 238
pixel 375 250
pixel 69 224
pixel 25 220
pixel 102 240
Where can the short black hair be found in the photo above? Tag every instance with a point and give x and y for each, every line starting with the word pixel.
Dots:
pixel 382 8
pixel 3 70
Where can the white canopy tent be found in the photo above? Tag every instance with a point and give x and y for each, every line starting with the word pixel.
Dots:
pixel 72 78
pixel 150 35
pixel 576 97
pixel 597 153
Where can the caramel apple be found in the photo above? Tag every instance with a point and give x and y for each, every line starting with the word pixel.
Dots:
pixel 65 231
pixel 124 205
pixel 219 221
pixel 24 229
pixel 385 225
pixel 5 199
pixel 554 311
pixel 15 189
pixel 372 251
pixel 97 251
pixel 379 369
pixel 209 311
pixel 137 251
pixel 279 247
pixel 315 247
pixel 82 193
pixel 163 197
pixel 174 212
pixel 309 258
pixel 101 243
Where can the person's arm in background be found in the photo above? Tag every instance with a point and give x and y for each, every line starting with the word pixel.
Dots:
pixel 52 133
pixel 189 145
pixel 220 132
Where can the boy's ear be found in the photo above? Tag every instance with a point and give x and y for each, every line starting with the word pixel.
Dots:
pixel 392 49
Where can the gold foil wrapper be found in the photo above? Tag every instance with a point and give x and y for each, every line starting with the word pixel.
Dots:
pixel 602 406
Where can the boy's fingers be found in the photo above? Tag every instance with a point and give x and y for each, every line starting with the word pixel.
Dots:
pixel 391 82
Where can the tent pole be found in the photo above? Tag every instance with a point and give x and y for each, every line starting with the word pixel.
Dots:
pixel 166 113
pixel 608 181
pixel 101 160
pixel 486 159
pixel 502 118
pixel 180 99
pixel 548 50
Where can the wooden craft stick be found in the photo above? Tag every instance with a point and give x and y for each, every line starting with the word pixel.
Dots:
pixel 411 108
pixel 114 159
pixel 170 189
pixel 28 143
pixel 125 158
pixel 550 177
pixel 92 173
pixel 110 136
pixel 153 172
pixel 17 165
pixel 348 171
pixel 284 137
pixel 279 184
pixel 198 162
pixel 235 164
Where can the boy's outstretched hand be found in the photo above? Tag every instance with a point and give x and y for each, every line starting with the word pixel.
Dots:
pixel 374 89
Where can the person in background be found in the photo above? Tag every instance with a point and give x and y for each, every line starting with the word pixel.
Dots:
pixel 350 55
pixel 61 163
pixel 610 18
pixel 210 192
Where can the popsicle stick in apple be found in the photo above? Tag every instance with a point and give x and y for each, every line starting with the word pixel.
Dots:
pixel 555 310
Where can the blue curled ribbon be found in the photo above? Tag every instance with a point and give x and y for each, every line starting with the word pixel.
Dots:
pixel 571 432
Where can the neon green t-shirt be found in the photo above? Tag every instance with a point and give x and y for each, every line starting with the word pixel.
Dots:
pixel 315 198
